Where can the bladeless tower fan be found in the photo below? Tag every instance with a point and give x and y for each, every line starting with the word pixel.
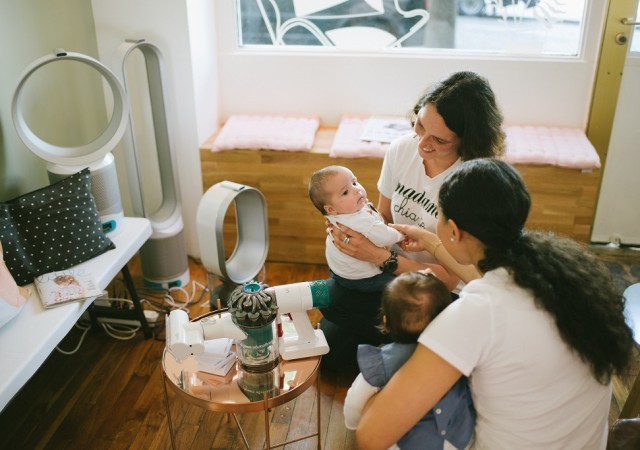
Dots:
pixel 96 155
pixel 163 256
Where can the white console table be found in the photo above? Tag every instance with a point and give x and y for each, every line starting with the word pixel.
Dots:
pixel 28 339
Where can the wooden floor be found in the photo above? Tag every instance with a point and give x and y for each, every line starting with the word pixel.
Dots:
pixel 108 395
pixel 624 265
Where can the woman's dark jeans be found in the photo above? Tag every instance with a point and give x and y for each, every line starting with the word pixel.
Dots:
pixel 350 319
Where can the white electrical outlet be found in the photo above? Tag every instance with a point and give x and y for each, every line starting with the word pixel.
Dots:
pixel 151 316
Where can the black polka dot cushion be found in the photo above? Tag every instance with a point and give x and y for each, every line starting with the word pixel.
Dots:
pixel 53 228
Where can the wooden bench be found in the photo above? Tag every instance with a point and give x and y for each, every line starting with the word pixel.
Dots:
pixel 563 198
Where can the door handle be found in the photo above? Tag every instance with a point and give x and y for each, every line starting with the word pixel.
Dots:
pixel 629 21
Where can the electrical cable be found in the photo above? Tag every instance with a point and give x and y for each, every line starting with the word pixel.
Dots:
pixel 130 332
pixel 160 300
pixel 84 333
pixel 190 297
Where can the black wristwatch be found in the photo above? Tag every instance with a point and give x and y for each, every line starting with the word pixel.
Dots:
pixel 391 264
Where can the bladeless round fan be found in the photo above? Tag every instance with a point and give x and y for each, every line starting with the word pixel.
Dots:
pixel 64 161
pixel 250 253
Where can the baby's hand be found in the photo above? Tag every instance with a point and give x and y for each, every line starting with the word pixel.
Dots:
pixel 410 245
pixel 428 271
pixel 417 239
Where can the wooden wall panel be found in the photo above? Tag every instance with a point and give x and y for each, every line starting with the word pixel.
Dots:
pixel 563 200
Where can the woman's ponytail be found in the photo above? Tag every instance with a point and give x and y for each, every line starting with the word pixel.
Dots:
pixel 488 199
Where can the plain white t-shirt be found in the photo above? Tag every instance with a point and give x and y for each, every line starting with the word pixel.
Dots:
pixel 414 195
pixel 530 390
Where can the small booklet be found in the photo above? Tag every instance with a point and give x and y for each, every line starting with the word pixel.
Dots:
pixel 220 366
pixel 217 358
pixel 385 129
pixel 57 288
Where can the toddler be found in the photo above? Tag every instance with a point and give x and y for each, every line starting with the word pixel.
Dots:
pixel 336 193
pixel 409 303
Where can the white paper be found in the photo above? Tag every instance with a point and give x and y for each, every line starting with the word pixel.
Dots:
pixel 385 129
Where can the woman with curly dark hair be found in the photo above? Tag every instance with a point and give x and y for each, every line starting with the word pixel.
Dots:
pixel 468 107
pixel 539 335
pixel 457 120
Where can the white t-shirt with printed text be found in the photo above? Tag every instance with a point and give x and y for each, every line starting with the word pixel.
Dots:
pixel 414 195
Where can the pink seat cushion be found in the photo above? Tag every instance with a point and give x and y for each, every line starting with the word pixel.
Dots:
pixel 347 143
pixel 254 132
pixel 556 146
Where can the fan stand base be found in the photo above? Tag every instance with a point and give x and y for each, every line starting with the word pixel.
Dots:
pixel 219 295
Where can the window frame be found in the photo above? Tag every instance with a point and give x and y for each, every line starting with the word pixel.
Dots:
pixel 407 51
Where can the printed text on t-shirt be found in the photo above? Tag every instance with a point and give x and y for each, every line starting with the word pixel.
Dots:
pixel 418 199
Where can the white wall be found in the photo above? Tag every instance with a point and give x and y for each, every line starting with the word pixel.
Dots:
pixel 29 30
pixel 329 83
pixel 183 33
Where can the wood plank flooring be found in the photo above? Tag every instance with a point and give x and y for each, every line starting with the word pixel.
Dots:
pixel 108 395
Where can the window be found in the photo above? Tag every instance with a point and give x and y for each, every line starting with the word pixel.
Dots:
pixel 510 27
pixel 635 36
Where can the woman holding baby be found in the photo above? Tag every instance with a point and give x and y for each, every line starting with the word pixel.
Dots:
pixel 457 120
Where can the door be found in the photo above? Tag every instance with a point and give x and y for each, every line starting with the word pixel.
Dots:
pixel 617 218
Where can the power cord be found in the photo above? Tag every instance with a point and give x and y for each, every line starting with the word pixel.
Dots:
pixel 159 300
pixel 84 333
pixel 128 331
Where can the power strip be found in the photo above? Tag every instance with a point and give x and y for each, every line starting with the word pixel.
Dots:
pixel 107 302
pixel 151 316
pixel 112 321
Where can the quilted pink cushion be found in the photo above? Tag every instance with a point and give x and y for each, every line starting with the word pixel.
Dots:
pixel 252 132
pixel 347 143
pixel 563 147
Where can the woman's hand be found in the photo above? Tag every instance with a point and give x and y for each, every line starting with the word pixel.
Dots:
pixel 354 244
pixel 418 239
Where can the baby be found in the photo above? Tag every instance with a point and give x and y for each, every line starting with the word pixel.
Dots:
pixel 336 193
pixel 409 303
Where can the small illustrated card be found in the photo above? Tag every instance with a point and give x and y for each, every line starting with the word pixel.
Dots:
pixel 385 129
pixel 56 288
